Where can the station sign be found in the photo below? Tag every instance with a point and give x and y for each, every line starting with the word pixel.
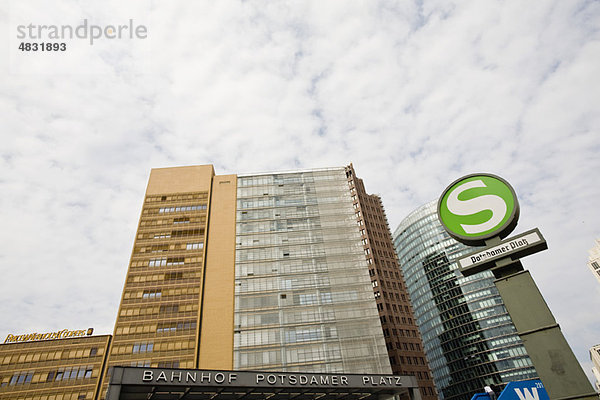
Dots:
pixel 516 247
pixel 216 378
pixel 521 390
pixel 524 390
pixel 477 207
pixel 482 210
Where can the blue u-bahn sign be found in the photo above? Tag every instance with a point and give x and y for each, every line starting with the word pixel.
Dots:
pixel 523 390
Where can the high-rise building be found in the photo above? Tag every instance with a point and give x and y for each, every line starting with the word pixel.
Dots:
pixel 402 338
pixel 469 338
pixel 304 300
pixel 177 305
pixel 595 357
pixel 594 260
pixel 286 273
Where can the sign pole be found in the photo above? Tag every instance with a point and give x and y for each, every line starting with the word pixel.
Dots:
pixel 550 353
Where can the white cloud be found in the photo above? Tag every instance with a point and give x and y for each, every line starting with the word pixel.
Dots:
pixel 414 94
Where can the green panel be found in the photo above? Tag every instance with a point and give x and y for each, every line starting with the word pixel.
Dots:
pixel 481 201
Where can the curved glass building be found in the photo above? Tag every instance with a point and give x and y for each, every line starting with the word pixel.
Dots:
pixel 469 338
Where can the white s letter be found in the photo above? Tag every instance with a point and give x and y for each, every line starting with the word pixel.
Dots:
pixel 469 207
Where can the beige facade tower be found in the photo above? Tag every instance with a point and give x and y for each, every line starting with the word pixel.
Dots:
pixel 177 305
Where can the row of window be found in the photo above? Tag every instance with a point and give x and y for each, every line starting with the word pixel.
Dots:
pixel 177 197
pixel 309 251
pixel 167 309
pixel 143 347
pixel 157 293
pixel 48 355
pixel 403 320
pixel 165 247
pixel 175 221
pixel 169 276
pixel 171 234
pixel 182 208
pixel 152 294
pixel 294 282
pixel 161 262
pixel 150 347
pixel 70 373
pixel 331 174
pixel 175 261
pixel 161 364
pixel 194 246
pixel 400 332
pixel 171 327
pixel 62 374
pixel 304 299
pixel 302 354
pixel 406 346
pixel 20 378
pixel 278 212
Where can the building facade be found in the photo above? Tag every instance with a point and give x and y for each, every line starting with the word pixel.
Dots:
pixel 595 357
pixel 469 338
pixel 176 309
pixel 594 260
pixel 61 369
pixel 304 301
pixel 402 338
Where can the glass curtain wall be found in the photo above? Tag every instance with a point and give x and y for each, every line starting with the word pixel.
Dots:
pixel 303 296
pixel 469 338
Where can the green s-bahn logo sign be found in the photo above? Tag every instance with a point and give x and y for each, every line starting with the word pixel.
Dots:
pixel 477 207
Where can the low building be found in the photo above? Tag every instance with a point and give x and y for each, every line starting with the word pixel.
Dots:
pixel 52 369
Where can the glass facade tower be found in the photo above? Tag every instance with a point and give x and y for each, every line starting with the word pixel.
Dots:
pixel 303 295
pixel 469 338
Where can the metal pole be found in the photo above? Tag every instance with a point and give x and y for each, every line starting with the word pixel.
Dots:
pixel 550 353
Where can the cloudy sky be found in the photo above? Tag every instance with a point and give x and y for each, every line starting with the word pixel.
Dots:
pixel 414 93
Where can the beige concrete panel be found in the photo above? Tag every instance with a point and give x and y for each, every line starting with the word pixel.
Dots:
pixel 196 178
pixel 216 337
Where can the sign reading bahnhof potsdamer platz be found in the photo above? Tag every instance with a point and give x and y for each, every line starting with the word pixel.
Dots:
pixel 129 383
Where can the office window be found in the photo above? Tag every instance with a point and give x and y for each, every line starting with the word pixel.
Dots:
pixel 157 262
pixel 152 294
pixel 144 347
pixel 21 378
pixel 175 261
